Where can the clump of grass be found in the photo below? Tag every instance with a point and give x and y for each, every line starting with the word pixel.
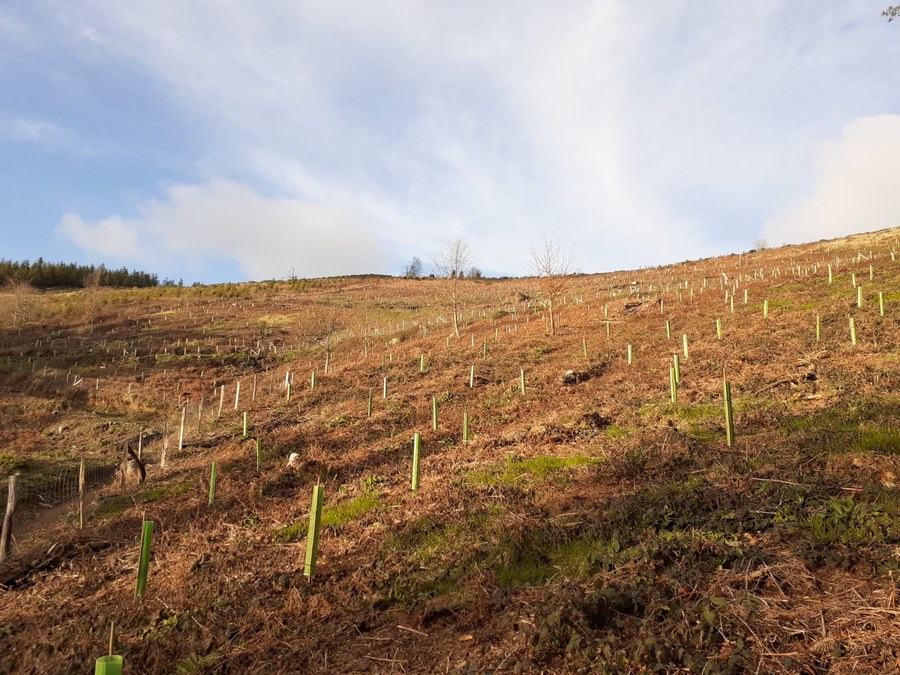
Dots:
pixel 538 468
pixel 338 421
pixel 879 441
pixel 528 572
pixel 614 431
pixel 335 515
pixel 11 462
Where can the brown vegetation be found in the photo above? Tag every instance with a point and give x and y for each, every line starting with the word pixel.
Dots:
pixel 589 526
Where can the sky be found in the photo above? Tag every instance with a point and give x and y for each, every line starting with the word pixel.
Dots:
pixel 217 140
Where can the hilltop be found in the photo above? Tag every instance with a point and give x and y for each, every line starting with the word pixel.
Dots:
pixel 588 523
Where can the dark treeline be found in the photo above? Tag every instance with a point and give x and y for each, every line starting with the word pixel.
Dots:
pixel 41 274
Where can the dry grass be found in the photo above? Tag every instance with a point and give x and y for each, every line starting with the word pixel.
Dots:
pixel 589 527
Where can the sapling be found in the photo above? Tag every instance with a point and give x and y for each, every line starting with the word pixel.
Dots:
pixel 852 331
pixel 729 415
pixel 212 482
pixel 144 560
pixel 417 447
pixel 181 430
pixel 434 413
pixel 312 539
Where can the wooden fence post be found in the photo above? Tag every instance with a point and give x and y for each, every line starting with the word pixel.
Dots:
pixel 6 534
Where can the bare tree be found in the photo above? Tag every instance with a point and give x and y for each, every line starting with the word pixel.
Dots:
pixel 23 296
pixel 551 263
pixel 91 295
pixel 451 261
pixel 892 12
pixel 414 269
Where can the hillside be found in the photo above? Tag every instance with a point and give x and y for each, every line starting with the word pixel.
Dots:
pixel 588 524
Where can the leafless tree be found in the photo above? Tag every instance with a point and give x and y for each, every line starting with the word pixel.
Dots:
pixel 414 269
pixel 892 12
pixel 23 296
pixel 450 262
pixel 91 295
pixel 551 262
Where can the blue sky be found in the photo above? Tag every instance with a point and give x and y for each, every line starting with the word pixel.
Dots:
pixel 217 140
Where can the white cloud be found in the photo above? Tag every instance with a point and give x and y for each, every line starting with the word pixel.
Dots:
pixel 267 237
pixel 638 135
pixel 112 236
pixel 38 131
pixel 855 186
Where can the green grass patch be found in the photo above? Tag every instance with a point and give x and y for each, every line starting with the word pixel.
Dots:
pixel 879 441
pixel 11 462
pixel 335 515
pixel 614 431
pixel 539 468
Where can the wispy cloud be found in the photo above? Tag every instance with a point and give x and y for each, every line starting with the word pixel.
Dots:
pixel 267 237
pixel 638 136
pixel 38 131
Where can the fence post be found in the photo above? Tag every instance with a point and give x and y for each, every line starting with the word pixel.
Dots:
pixel 6 534
pixel 124 467
pixel 181 430
pixel 81 494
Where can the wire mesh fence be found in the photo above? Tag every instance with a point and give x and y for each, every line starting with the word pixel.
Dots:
pixel 57 485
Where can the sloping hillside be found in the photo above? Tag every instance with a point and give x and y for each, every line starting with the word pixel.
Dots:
pixel 588 523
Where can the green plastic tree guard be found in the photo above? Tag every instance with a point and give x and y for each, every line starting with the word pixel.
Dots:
pixel 109 665
pixel 144 562
pixel 312 540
